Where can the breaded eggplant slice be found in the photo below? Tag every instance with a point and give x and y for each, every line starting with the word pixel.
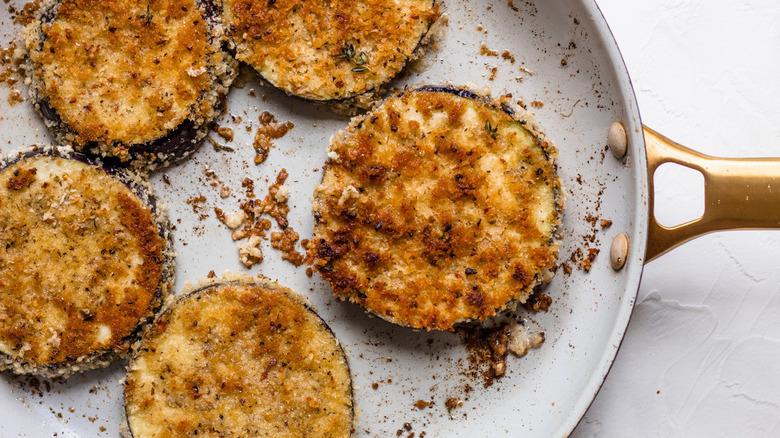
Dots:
pixel 328 50
pixel 438 207
pixel 88 260
pixel 138 80
pixel 238 357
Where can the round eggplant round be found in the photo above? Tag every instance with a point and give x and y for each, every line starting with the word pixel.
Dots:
pixel 239 356
pixel 138 81
pixel 88 261
pixel 329 51
pixel 438 207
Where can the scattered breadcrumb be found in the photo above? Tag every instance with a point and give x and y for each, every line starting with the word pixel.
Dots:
pixel 249 222
pixel 268 131
pixel 588 261
pixel 484 50
pixel 249 252
pixel 285 241
pixel 520 340
pixel 488 347
pixel 225 132
pixel 422 404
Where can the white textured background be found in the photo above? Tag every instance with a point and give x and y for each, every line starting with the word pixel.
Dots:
pixel 701 357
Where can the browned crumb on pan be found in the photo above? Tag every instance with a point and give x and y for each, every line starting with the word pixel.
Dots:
pixel 26 14
pixel 249 186
pixel 268 131
pixel 197 202
pixel 275 202
pixel 225 132
pixel 284 241
pixel 422 404
pixel 584 256
pixel 507 55
pixel 11 74
pixel 487 351
pixel 485 51
pixel 493 71
pixel 250 224
pixel 489 346
pixel 587 262
pixel 538 301
pixel 453 403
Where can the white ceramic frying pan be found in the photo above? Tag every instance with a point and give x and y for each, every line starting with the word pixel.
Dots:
pixel 562 62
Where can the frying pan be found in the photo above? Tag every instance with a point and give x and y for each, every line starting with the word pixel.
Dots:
pixel 561 61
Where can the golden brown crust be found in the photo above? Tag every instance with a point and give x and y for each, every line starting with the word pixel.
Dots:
pixel 85 263
pixel 437 208
pixel 238 358
pixel 326 50
pixel 124 73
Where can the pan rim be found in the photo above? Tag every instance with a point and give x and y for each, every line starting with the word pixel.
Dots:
pixel 637 161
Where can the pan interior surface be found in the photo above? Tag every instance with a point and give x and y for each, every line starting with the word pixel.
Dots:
pixel 560 60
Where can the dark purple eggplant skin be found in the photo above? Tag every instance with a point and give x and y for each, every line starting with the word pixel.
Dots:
pixel 451 90
pixel 460 92
pixel 177 143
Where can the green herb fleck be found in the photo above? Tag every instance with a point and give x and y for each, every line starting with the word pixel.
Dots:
pixel 147 17
pixel 492 130
pixel 220 147
pixel 359 60
pixel 362 59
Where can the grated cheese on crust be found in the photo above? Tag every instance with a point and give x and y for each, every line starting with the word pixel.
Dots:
pixel 441 208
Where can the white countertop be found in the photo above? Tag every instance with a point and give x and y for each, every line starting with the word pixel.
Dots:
pixel 701 352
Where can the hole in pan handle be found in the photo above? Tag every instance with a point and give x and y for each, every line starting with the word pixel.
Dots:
pixel 739 193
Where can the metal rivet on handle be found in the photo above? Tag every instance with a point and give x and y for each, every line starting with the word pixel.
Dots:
pixel 618 251
pixel 617 140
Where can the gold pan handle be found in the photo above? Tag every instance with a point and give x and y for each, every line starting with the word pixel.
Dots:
pixel 739 193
